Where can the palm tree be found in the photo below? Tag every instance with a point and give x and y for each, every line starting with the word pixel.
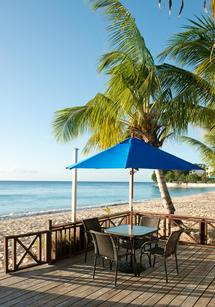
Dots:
pixel 135 101
pixel 195 47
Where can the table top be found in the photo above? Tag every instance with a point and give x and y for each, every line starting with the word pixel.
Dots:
pixel 126 230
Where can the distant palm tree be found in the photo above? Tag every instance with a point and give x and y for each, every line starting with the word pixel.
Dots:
pixel 137 101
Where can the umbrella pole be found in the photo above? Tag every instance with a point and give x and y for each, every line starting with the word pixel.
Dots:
pixel 131 195
pixel 74 187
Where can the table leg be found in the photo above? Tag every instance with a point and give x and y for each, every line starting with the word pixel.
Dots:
pixel 134 258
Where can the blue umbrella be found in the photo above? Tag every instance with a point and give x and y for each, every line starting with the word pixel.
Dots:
pixel 133 154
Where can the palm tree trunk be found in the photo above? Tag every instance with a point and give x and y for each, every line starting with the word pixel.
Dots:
pixel 166 198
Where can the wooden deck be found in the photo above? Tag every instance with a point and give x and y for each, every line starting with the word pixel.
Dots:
pixel 70 283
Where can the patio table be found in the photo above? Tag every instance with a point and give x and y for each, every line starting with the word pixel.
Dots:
pixel 132 233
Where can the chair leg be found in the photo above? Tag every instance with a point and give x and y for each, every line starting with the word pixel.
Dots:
pixel 131 259
pixel 165 270
pixel 154 261
pixel 86 249
pixel 94 266
pixel 116 271
pixel 126 256
pixel 141 256
pixel 103 262
pixel 150 259
pixel 176 261
pixel 111 263
pixel 85 255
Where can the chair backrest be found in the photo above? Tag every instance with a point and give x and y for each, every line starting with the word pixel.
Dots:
pixel 171 244
pixel 149 221
pixel 91 224
pixel 104 245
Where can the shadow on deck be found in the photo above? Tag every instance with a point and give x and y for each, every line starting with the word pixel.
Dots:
pixel 70 283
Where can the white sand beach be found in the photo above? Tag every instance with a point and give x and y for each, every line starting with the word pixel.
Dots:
pixel 199 205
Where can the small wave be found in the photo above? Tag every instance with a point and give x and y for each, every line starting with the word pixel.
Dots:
pixel 14 215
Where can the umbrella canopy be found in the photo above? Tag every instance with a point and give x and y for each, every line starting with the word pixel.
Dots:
pixel 134 153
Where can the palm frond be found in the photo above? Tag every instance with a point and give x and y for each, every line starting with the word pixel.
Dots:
pixel 183 82
pixel 123 32
pixel 207 153
pixel 69 123
pixel 109 134
pixel 194 46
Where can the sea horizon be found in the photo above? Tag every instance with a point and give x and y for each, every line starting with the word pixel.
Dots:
pixel 35 180
pixel 29 197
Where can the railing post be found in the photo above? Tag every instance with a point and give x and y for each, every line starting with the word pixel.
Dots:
pixel 164 227
pixel 6 269
pixel 14 254
pixel 39 247
pixel 82 238
pixel 203 239
pixel 49 243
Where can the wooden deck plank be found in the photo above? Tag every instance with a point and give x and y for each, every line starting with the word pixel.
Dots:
pixel 19 288
pixel 177 284
pixel 199 282
pixel 50 286
pixel 93 294
pixel 157 284
pixel 188 291
pixel 209 292
pixel 127 290
pixel 212 302
pixel 70 283
pixel 159 288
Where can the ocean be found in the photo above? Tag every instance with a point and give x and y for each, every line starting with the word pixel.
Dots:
pixel 21 198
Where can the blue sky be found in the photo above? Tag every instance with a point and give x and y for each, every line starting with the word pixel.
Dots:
pixel 48 57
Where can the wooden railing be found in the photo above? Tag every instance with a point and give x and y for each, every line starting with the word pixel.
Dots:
pixel 64 240
pixel 69 238
pixel 58 242
pixel 26 250
pixel 199 231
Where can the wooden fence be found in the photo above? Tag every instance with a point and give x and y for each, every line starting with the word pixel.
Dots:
pixel 26 250
pixel 60 241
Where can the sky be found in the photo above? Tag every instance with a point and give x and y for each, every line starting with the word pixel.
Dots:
pixel 49 53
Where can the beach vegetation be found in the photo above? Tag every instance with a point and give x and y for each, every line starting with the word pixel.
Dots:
pixel 186 177
pixel 107 211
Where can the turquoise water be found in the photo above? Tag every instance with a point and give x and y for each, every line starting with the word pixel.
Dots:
pixel 19 198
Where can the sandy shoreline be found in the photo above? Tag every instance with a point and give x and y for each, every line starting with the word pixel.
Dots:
pixel 199 205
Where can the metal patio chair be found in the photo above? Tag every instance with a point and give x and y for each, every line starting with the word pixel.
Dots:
pixel 106 247
pixel 148 221
pixel 90 224
pixel 168 250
